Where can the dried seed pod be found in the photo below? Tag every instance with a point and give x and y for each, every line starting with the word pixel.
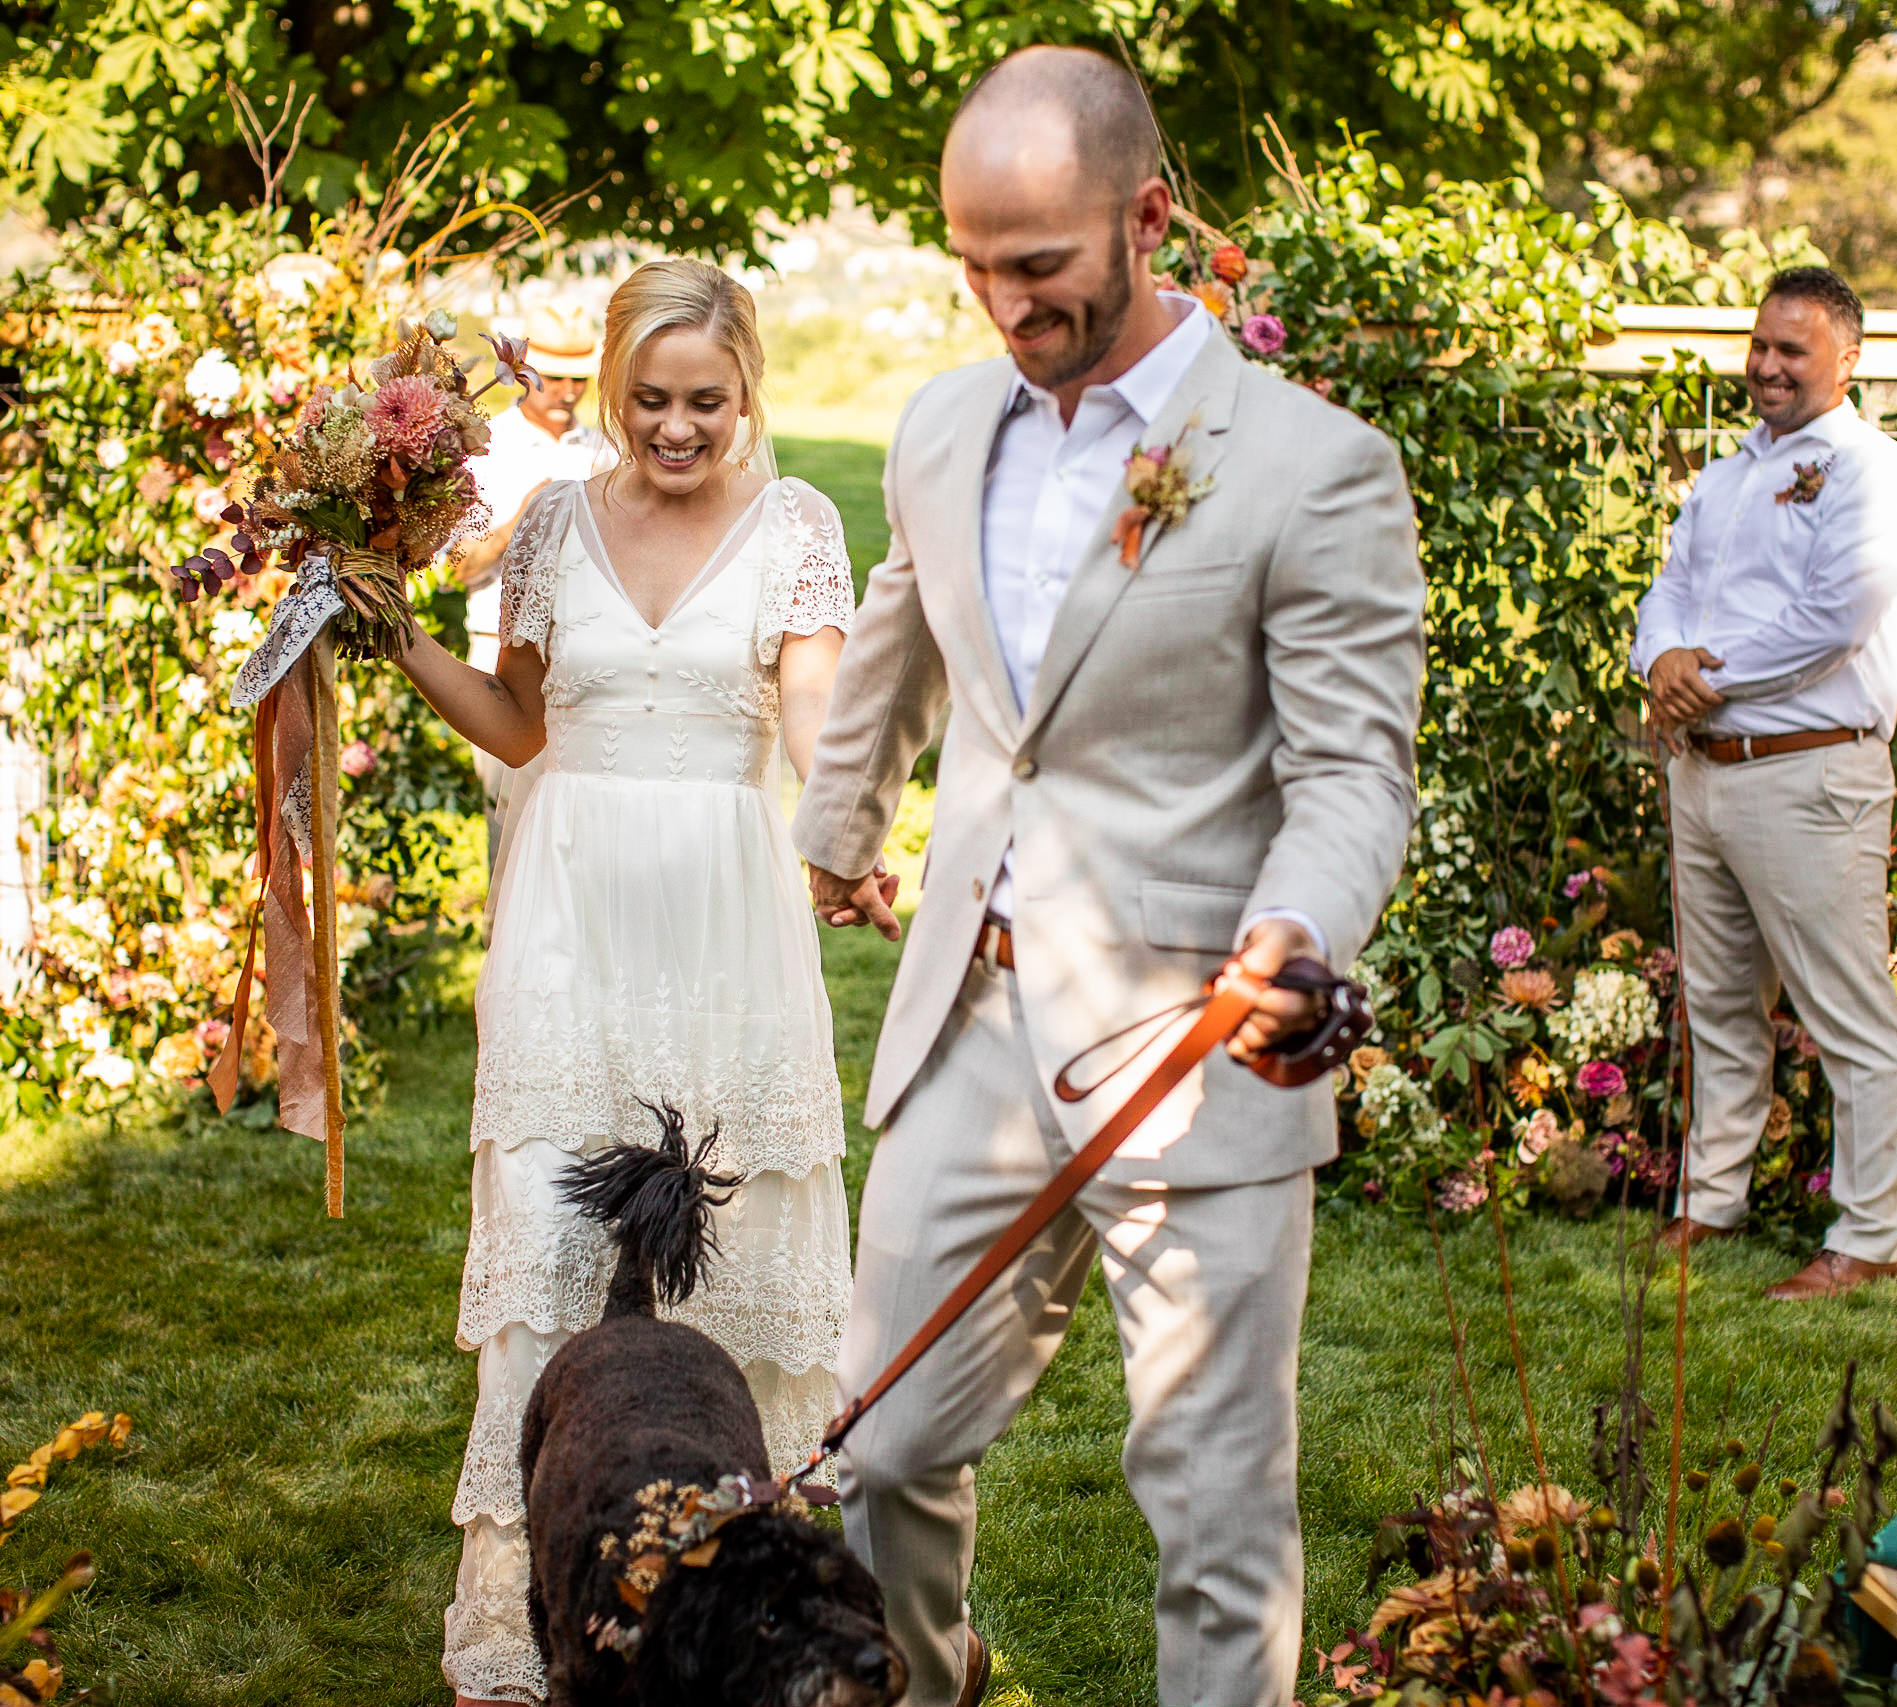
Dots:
pixel 1746 1479
pixel 1764 1528
pixel 1726 1543
pixel 1696 1481
pixel 1545 1552
pixel 1587 1591
pixel 1787 1488
pixel 1520 1557
pixel 1735 1448
pixel 1601 1519
pixel 1647 1576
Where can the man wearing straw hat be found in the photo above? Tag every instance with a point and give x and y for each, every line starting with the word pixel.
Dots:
pixel 1769 649
pixel 536 440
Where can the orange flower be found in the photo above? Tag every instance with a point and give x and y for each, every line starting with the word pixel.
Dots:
pixel 1530 989
pixel 1228 263
pixel 1216 297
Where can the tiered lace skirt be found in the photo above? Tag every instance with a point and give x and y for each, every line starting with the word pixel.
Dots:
pixel 652 944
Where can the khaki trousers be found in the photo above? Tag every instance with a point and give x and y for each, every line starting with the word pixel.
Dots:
pixel 1208 1287
pixel 1782 870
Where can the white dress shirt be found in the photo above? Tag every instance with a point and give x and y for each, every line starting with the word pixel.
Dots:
pixel 519 457
pixel 1798 599
pixel 1049 485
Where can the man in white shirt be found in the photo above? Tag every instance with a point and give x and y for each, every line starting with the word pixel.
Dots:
pixel 1769 648
pixel 535 440
pixel 1164 743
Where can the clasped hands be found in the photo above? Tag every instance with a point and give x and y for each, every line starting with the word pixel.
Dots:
pixel 1270 943
pixel 1678 695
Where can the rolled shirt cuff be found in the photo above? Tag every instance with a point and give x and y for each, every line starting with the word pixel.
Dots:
pixel 1297 917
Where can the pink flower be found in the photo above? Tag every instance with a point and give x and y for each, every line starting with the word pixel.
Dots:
pixel 1600 1079
pixel 1660 965
pixel 1263 333
pixel 1819 1184
pixel 404 413
pixel 315 409
pixel 358 759
pixel 209 504
pixel 1373 1190
pixel 1511 947
pixel 211 1034
pixel 1535 1135
pixel 1463 1190
pixel 1627 1679
pixel 1576 884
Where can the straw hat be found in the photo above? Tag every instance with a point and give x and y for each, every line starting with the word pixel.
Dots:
pixel 561 343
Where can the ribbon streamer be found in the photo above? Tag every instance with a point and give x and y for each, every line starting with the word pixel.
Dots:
pixel 297 773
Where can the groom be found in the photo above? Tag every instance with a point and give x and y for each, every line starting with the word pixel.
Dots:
pixel 1147 765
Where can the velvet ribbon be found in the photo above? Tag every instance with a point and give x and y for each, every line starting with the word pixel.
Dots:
pixel 296 734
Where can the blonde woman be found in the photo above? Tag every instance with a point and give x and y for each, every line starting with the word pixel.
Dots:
pixel 660 624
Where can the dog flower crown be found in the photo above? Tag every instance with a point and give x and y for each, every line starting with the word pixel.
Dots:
pixel 678 1525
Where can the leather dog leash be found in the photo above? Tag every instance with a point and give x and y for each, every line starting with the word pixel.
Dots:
pixel 1228 1001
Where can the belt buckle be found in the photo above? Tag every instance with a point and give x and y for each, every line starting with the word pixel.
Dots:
pixel 1745 748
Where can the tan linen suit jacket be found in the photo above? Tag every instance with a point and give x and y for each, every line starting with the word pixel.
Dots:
pixel 1227 727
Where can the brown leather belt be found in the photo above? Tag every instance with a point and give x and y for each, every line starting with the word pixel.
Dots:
pixel 1736 749
pixel 995 945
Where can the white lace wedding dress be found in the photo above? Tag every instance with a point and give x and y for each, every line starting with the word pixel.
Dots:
pixel 651 940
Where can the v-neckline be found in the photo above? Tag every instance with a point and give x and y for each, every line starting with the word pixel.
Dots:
pixel 713 566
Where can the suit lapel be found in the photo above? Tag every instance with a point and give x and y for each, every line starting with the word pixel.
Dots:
pixel 967 483
pixel 1208 395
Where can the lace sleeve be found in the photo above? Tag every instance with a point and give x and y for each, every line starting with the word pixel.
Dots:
pixel 808 584
pixel 530 570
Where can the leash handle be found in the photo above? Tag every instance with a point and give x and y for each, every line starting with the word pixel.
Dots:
pixel 1225 1008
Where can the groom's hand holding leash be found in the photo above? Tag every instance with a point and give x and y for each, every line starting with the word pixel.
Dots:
pixel 856 900
pixel 1280 1013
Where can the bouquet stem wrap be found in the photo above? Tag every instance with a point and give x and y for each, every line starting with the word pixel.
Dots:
pixel 296 748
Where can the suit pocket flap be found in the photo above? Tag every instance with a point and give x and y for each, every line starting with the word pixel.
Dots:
pixel 1204 916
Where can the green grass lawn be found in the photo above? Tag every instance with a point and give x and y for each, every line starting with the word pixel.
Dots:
pixel 278 1531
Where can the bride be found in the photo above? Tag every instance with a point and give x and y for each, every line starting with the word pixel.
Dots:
pixel 660 624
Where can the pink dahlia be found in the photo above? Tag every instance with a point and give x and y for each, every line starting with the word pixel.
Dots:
pixel 1600 1079
pixel 1263 333
pixel 1511 947
pixel 404 413
pixel 357 759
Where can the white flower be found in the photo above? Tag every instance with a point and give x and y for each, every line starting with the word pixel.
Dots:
pixel 154 337
pixel 352 929
pixel 210 504
pixel 110 1069
pixel 76 1016
pixel 120 357
pixel 235 626
pixel 12 700
pixel 112 453
pixel 194 690
pixel 1399 1105
pixel 1610 1012
pixel 1535 1134
pixel 213 383
pixel 440 323
pixel 296 278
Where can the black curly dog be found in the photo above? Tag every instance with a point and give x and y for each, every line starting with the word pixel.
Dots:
pixel 784 1615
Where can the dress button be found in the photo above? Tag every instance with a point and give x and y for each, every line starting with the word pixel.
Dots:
pixel 1025 769
pixel 652 669
pixel 650 706
pixel 980 889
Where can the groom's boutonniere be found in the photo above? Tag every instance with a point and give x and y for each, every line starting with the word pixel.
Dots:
pixel 1159 481
pixel 1808 480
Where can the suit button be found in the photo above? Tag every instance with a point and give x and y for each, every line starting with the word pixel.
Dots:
pixel 1025 769
pixel 980 889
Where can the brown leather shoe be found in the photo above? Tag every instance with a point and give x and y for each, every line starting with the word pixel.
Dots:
pixel 974 1673
pixel 1828 1274
pixel 1701 1231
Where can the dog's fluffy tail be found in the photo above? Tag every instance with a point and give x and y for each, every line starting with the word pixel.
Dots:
pixel 658 1204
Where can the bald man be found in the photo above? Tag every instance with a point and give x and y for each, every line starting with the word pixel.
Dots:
pixel 1149 765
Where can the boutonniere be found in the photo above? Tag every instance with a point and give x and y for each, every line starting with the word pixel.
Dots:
pixel 1159 481
pixel 1808 480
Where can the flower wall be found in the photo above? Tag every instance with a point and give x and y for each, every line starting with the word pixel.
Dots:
pixel 1521 972
pixel 157 359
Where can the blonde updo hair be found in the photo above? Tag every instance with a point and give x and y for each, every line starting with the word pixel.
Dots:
pixel 670 296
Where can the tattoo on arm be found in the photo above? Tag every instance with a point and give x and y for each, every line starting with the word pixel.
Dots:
pixel 497 687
